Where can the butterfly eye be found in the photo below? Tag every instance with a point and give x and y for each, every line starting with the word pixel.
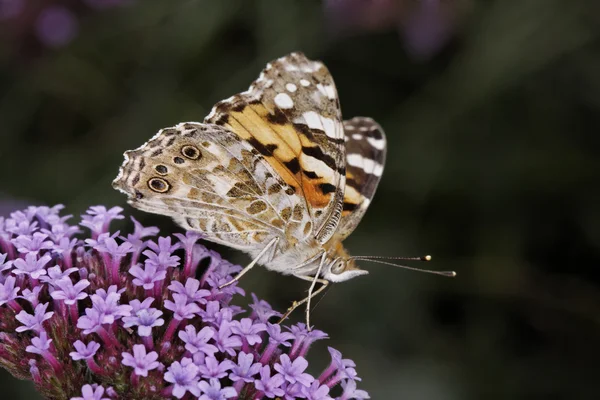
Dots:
pixel 159 185
pixel 191 152
pixel 338 267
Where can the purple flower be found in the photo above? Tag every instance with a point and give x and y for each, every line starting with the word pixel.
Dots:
pixel 144 317
pixel 294 371
pixel 191 290
pixel 100 213
pixel 103 294
pixel 147 276
pixel 91 321
pixel 140 231
pixel 276 336
pixel 262 309
pixel 110 246
pixel 8 291
pixel 39 345
pixel 4 265
pixel 98 242
pixel 350 391
pixel 184 378
pixel 109 307
pixel 31 266
pixel 32 243
pixel 213 391
pixel 180 307
pixel 293 391
pixel 345 368
pixel 164 245
pixel 225 342
pixel 247 329
pixel 188 240
pixel 32 295
pixel 162 260
pixel 195 342
pixel 210 313
pixel 245 368
pixel 215 369
pixel 68 292
pixel 84 351
pixel 34 322
pixel 141 361
pixel 316 391
pixel 56 274
pixel 270 386
pixel 89 392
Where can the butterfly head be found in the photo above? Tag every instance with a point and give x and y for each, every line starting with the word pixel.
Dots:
pixel 340 266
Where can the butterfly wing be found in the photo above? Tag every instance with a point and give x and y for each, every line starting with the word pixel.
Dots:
pixel 291 115
pixel 365 158
pixel 210 180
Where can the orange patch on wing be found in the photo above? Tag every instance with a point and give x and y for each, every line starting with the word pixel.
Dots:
pixel 352 196
pixel 252 122
pixel 314 195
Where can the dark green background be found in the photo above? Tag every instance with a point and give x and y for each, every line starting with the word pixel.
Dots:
pixel 492 168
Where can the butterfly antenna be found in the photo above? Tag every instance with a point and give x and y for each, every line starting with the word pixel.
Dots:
pixel 379 260
pixel 423 258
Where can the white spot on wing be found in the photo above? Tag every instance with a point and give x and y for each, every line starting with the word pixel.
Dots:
pixel 283 100
pixel 313 120
pixel 304 82
pixel 327 125
pixel 366 164
pixel 378 170
pixel 321 89
pixel 330 91
pixel 357 136
pixel 379 144
pixel 291 87
pixel 355 160
pixel 330 128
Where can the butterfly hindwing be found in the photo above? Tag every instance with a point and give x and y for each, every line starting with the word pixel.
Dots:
pixel 365 158
pixel 291 115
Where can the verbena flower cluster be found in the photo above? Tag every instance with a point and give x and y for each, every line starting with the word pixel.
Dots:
pixel 138 316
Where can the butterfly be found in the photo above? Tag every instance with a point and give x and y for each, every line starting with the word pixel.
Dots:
pixel 273 171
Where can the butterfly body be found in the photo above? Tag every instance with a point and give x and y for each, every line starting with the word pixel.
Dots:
pixel 273 171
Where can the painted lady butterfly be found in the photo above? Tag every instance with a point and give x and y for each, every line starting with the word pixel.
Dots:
pixel 273 171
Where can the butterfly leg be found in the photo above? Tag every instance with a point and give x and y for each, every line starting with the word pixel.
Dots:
pixel 269 245
pixel 311 293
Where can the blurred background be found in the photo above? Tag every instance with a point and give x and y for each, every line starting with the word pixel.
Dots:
pixel 491 109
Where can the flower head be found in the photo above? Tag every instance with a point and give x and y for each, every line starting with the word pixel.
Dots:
pixel 125 316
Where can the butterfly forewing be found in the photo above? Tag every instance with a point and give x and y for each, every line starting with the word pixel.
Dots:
pixel 291 115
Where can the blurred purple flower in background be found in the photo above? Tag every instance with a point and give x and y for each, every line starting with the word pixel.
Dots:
pixel 54 23
pixel 56 26
pixel 76 321
pixel 425 25
pixel 11 8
